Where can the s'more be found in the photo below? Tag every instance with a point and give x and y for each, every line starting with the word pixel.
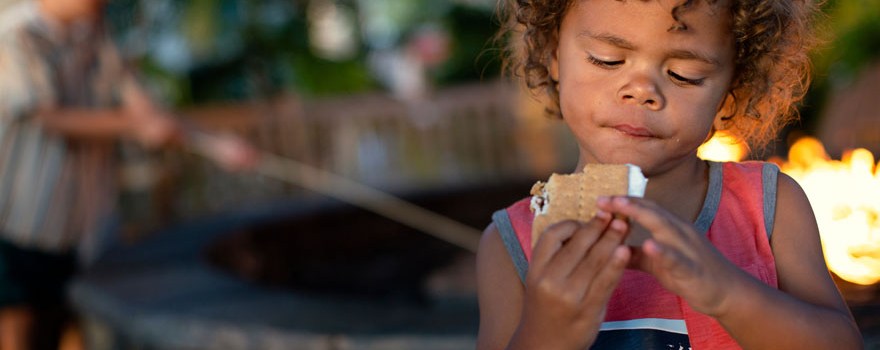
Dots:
pixel 573 196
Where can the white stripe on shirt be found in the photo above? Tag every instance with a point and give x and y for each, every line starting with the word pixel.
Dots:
pixel 674 326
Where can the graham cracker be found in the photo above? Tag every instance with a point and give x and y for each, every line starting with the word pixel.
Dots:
pixel 573 197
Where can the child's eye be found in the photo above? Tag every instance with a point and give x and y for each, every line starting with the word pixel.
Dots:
pixel 687 81
pixel 603 63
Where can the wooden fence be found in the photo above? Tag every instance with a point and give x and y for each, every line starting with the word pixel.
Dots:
pixel 467 135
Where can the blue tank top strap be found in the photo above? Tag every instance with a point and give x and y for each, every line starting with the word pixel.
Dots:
pixel 713 197
pixel 769 175
pixel 508 236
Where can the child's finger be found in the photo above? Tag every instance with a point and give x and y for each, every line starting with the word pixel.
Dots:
pixel 599 256
pixel 582 240
pixel 662 225
pixel 666 260
pixel 549 243
pixel 606 280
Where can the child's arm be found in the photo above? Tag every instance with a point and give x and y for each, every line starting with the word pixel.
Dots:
pixel 138 117
pixel 573 271
pixel 85 124
pixel 813 311
pixel 806 312
pixel 499 290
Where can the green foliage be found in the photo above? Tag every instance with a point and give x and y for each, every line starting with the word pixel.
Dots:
pixel 315 76
pixel 474 56
pixel 850 30
pixel 173 89
pixel 852 34
pixel 251 49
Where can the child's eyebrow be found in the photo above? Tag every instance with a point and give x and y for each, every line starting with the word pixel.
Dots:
pixel 609 38
pixel 627 45
pixel 691 55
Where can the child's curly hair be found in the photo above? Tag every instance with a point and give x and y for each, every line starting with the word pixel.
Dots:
pixel 772 39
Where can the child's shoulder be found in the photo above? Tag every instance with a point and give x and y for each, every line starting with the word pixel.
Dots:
pixel 749 174
pixel 517 217
pixel 520 206
pixel 750 166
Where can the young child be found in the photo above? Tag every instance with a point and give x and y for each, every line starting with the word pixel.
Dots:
pixel 66 97
pixel 734 258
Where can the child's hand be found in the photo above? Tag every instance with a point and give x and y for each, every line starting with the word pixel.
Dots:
pixel 682 260
pixel 155 131
pixel 574 269
pixel 230 152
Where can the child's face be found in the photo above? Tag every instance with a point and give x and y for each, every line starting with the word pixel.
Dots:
pixel 632 90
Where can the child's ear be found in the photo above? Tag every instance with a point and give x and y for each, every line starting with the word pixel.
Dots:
pixel 726 110
pixel 554 64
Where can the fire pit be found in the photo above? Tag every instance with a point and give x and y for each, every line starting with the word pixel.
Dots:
pixel 300 275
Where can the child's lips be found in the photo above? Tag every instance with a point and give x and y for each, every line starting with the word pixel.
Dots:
pixel 634 131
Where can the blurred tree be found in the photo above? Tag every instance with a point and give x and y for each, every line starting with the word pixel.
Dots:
pixel 205 50
pixel 474 56
pixel 850 32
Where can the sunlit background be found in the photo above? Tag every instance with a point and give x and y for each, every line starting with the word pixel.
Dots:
pixel 402 96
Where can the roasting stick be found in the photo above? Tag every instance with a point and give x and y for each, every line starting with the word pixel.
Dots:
pixel 349 191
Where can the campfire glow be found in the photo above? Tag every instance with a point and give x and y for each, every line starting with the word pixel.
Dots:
pixel 845 195
pixel 722 147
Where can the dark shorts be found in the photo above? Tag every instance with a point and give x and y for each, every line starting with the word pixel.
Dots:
pixel 32 277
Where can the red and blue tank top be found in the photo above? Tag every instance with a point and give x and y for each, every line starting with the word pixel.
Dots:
pixel 737 217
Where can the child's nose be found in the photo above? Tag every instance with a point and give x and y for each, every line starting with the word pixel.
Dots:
pixel 642 91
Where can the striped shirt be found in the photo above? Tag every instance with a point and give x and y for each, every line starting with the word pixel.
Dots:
pixel 53 190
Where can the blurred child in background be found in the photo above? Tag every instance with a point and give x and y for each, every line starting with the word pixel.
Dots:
pixel 66 98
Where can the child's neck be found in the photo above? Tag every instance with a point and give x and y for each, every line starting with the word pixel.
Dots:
pixel 682 189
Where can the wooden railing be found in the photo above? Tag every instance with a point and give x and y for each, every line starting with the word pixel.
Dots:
pixel 466 135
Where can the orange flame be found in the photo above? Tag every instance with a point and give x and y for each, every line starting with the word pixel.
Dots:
pixel 722 147
pixel 844 194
